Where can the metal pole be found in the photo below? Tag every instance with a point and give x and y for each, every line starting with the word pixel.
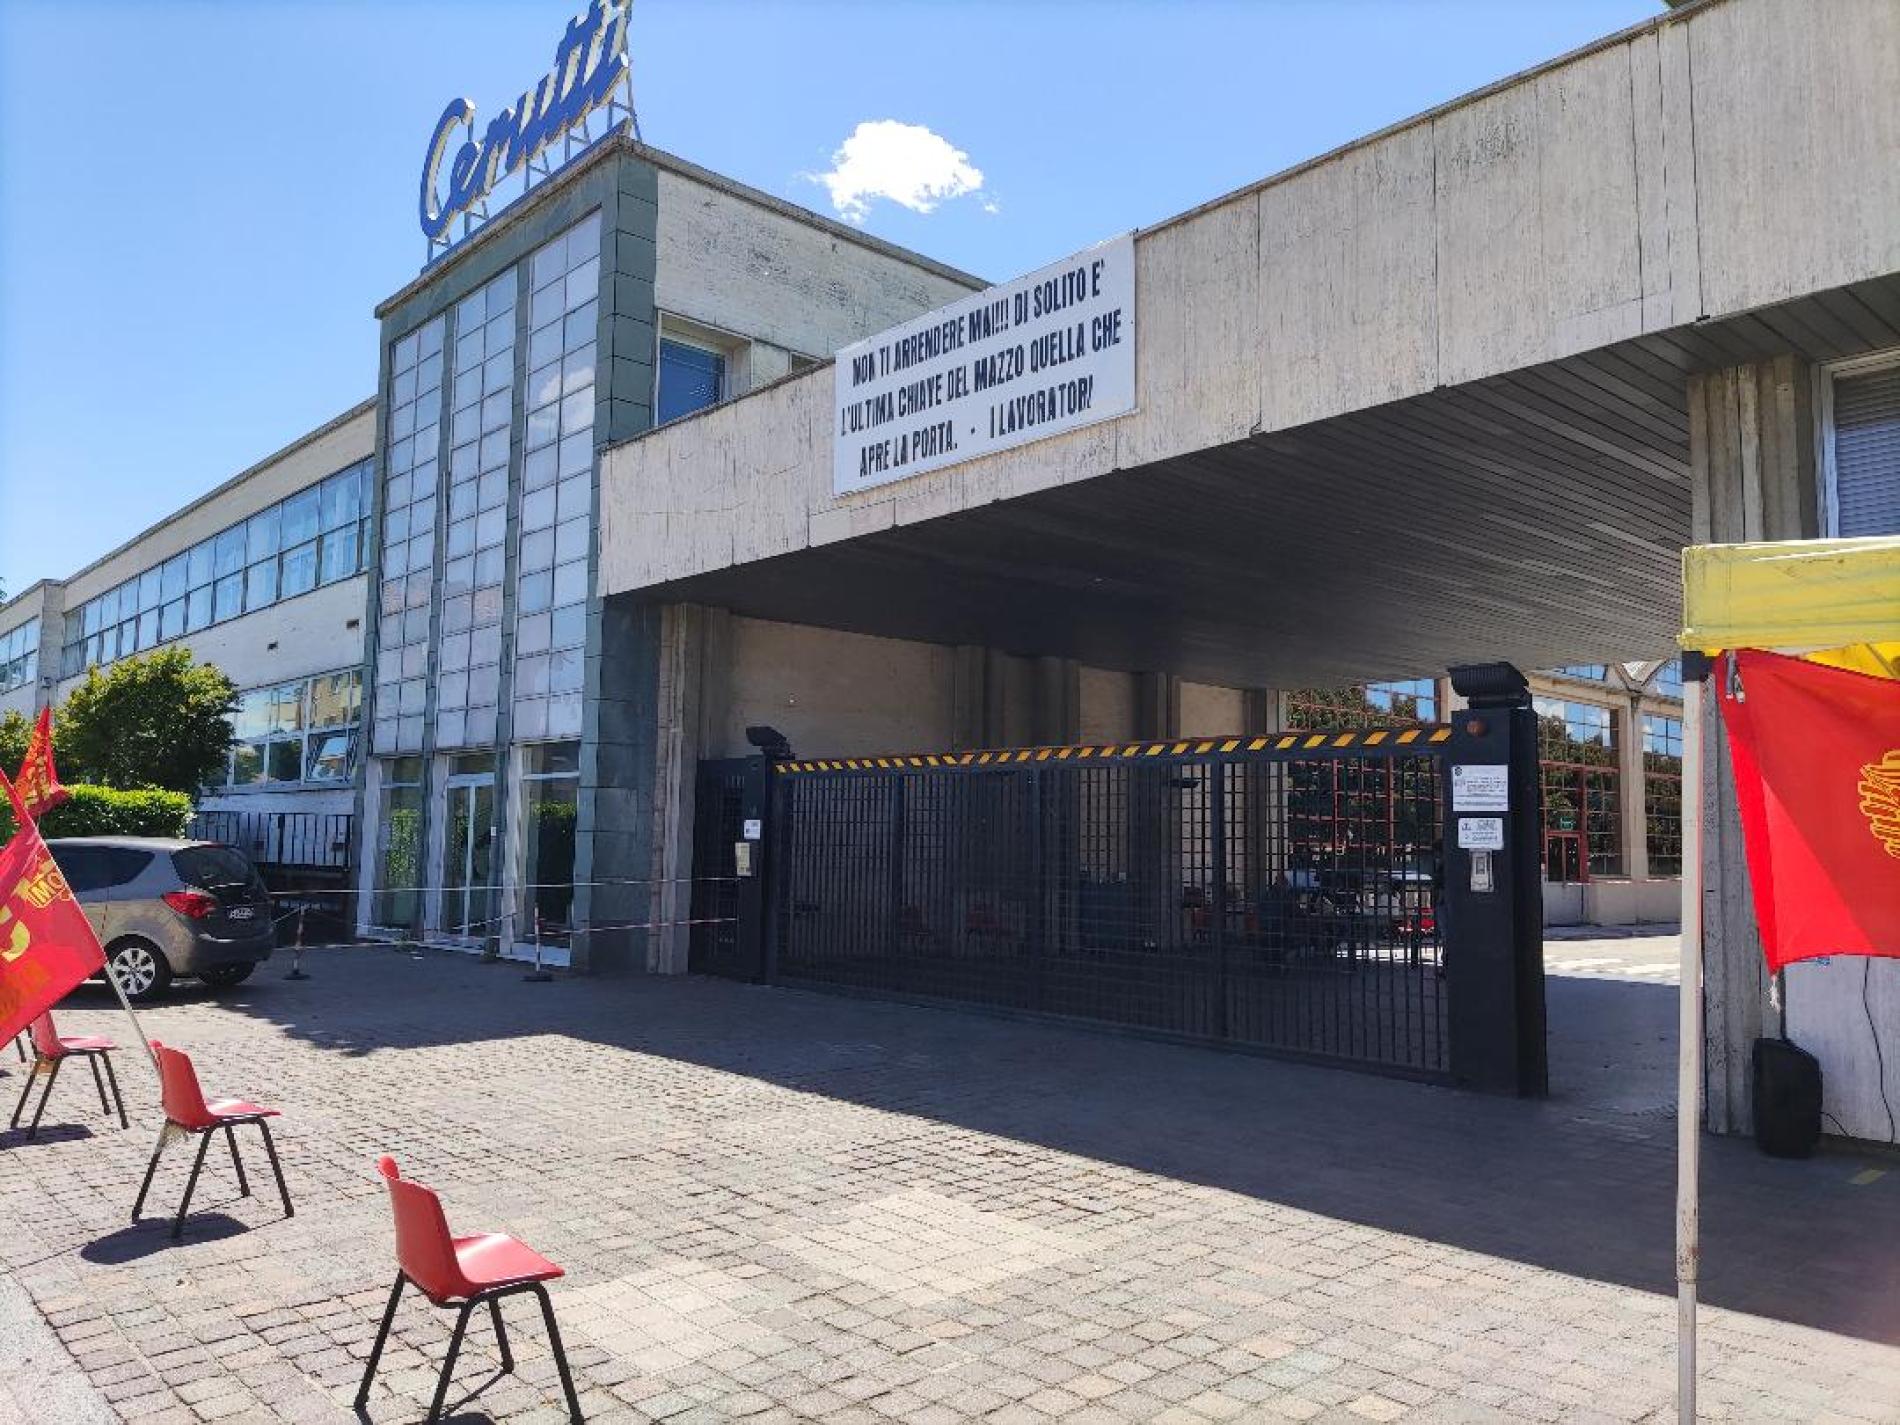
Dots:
pixel 1689 1058
pixel 138 1029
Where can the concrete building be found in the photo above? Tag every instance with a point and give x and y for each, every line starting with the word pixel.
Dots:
pixel 1459 391
pixel 1454 393
pixel 265 577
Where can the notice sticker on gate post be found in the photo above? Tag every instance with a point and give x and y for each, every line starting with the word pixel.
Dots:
pixel 1481 833
pixel 753 828
pixel 1480 786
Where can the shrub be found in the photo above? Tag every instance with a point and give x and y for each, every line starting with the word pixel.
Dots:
pixel 106 811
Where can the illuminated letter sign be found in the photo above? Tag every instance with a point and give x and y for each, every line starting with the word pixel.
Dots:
pixel 589 62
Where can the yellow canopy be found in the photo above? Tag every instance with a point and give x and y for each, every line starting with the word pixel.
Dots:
pixel 1833 601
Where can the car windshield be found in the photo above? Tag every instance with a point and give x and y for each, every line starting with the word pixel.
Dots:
pixel 213 867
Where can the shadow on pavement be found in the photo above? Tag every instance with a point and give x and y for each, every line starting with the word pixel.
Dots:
pixel 49 1133
pixel 153 1235
pixel 1569 1184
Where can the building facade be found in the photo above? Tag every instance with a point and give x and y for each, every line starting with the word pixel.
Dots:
pixel 266 577
pixel 1458 392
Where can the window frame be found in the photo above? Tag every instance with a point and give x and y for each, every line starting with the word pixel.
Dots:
pixel 1827 487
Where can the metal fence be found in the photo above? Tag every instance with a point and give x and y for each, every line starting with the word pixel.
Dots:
pixel 1279 893
pixel 287 840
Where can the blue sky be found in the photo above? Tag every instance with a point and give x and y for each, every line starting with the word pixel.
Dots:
pixel 201 203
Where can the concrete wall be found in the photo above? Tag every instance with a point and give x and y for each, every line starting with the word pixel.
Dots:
pixel 1752 463
pixel 1620 191
pixel 783 282
pixel 833 694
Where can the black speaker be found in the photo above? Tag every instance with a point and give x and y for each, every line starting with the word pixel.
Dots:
pixel 1787 1099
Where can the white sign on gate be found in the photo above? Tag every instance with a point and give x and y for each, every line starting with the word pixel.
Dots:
pixel 1044 354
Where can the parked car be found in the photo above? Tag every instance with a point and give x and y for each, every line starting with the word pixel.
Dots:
pixel 165 908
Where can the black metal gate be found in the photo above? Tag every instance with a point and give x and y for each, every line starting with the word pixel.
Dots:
pixel 728 914
pixel 1312 894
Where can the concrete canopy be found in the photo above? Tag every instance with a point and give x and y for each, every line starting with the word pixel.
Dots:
pixel 1423 401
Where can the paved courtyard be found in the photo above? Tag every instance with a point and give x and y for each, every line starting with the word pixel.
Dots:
pixel 783 1206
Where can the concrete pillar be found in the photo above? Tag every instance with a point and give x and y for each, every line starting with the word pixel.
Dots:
pixel 689 708
pixel 1634 809
pixel 969 698
pixel 1056 706
pixel 1262 710
pixel 1157 705
pixel 1752 476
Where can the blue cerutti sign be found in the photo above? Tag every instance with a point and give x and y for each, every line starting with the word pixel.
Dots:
pixel 589 63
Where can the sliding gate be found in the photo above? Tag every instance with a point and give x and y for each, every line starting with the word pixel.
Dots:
pixel 1290 893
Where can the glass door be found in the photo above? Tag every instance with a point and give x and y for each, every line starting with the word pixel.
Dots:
pixel 468 848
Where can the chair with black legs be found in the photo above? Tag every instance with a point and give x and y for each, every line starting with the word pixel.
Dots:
pixel 187 1115
pixel 461 1273
pixel 52 1049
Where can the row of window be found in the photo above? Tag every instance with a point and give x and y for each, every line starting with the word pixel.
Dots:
pixel 19 655
pixel 300 731
pixel 1390 704
pixel 1583 791
pixel 317 536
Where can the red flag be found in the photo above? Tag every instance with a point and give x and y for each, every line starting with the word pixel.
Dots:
pixel 1816 753
pixel 38 783
pixel 46 943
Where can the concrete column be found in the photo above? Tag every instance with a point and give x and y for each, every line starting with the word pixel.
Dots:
pixel 1157 705
pixel 690 702
pixel 1752 476
pixel 1635 810
pixel 969 698
pixel 1056 707
pixel 1262 710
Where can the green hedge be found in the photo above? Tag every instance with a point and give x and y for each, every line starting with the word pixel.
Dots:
pixel 105 811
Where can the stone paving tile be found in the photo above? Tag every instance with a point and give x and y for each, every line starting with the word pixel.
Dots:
pixel 780 1207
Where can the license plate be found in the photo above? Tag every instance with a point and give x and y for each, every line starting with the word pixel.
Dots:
pixel 241 912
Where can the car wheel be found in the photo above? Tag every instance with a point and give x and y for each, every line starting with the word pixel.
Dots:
pixel 140 968
pixel 224 976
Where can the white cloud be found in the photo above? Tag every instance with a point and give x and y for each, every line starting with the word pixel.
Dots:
pixel 905 163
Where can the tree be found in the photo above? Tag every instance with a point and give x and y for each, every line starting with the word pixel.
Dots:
pixel 155 720
pixel 16 729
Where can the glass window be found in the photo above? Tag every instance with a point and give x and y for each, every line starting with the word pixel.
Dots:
pixel 300 570
pixel 330 757
pixel 1864 452
pixel 691 378
pixel 228 550
pixel 550 794
pixel 1666 681
pixel 1582 789
pixel 150 590
pixel 1662 794
pixel 260 534
pixel 199 569
pixel 19 655
pixel 1389 704
pixel 172 579
pixel 304 730
pixel 300 516
pixel 335 699
pixel 260 586
pixel 398 853
pixel 247 763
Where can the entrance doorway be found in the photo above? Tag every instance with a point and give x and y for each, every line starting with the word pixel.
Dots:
pixel 468 845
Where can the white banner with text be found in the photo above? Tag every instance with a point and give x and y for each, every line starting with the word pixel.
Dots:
pixel 1044 354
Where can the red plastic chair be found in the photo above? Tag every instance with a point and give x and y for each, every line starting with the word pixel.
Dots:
pixel 50 1050
pixel 461 1272
pixel 187 1114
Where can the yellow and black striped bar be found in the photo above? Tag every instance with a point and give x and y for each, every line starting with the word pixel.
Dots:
pixel 1275 745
